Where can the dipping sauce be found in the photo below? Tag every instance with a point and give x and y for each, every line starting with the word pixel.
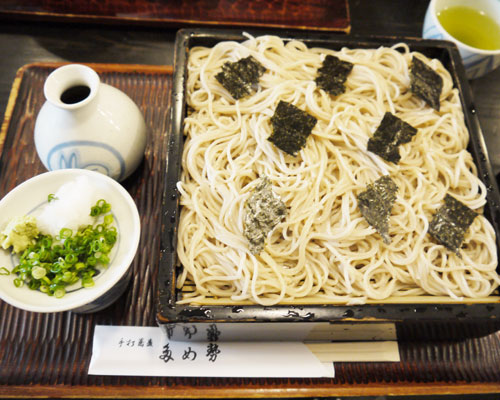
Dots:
pixel 75 94
pixel 471 26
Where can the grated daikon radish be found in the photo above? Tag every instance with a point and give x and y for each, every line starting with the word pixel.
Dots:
pixel 70 207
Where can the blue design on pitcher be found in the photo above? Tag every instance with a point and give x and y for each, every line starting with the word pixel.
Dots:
pixel 69 155
pixel 72 162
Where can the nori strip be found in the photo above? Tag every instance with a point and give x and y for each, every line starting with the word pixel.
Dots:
pixel 238 77
pixel 425 83
pixel 263 211
pixel 450 223
pixel 376 202
pixel 333 74
pixel 291 127
pixel 391 132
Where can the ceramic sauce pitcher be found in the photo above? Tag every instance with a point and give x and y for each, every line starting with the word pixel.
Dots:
pixel 88 124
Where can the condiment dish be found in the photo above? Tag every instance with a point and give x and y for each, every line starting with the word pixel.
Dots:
pixel 29 198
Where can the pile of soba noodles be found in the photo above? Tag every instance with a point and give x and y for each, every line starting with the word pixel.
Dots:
pixel 324 251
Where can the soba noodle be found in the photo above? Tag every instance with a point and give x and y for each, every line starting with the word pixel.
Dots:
pixel 324 250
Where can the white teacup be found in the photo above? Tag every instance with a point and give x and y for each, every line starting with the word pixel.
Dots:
pixel 477 62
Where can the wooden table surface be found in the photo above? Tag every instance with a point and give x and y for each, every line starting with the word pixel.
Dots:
pixel 25 41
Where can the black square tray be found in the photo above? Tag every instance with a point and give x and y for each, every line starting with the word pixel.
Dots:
pixel 169 313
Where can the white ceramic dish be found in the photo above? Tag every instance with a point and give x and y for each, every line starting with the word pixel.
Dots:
pixel 28 198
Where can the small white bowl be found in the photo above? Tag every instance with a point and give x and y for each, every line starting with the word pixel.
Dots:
pixel 28 198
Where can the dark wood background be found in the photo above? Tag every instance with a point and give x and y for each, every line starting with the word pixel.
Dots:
pixel 26 40
pixel 329 15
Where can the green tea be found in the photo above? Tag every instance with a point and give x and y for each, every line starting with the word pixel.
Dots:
pixel 470 26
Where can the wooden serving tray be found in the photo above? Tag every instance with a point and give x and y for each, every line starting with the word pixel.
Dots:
pixel 325 15
pixel 48 355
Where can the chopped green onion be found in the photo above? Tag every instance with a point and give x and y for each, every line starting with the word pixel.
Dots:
pixel 51 197
pixel 56 268
pixel 46 241
pixel 79 266
pixel 71 258
pixel 34 284
pixel 65 233
pixel 38 272
pixel 4 271
pixel 104 259
pixel 44 255
pixel 101 207
pixel 67 276
pixel 87 282
pixel 51 264
pixel 96 246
